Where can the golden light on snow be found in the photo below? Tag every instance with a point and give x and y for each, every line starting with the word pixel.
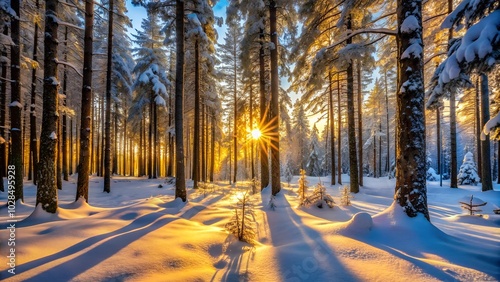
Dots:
pixel 256 133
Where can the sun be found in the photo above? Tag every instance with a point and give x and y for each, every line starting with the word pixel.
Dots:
pixel 256 133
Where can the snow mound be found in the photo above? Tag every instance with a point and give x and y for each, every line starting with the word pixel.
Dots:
pixel 361 222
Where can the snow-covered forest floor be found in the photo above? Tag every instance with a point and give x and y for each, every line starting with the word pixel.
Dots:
pixel 139 232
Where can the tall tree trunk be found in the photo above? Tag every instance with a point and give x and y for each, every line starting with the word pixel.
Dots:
pixel 264 150
pixel 478 130
pixel 332 126
pixel 374 156
pixel 3 98
pixel 380 147
pixel 107 146
pixel 155 142
pixel 275 114
pixel 339 133
pixel 235 101
pixel 196 137
pixel 59 154
pixel 388 159
pixel 252 160
pixel 439 139
pixel 64 145
pixel 360 126
pixel 71 153
pixel 486 183
pixel 212 148
pixel 86 120
pixel 351 127
pixel 150 136
pixel 203 145
pixel 115 140
pixel 16 151
pixel 33 155
pixel 410 190
pixel 46 195
pixel 180 183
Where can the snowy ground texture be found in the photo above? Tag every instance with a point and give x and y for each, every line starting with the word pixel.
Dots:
pixel 140 233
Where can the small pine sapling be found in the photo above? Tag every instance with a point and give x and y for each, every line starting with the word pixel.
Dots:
pixel 205 188
pixel 302 193
pixel 319 196
pixel 287 174
pixel 468 171
pixel 255 185
pixel 241 224
pixel 272 202
pixel 345 196
pixel 472 205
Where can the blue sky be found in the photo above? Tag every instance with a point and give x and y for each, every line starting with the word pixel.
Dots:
pixel 136 14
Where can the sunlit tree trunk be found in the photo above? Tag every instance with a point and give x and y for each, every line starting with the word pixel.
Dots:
pixel 410 190
pixel 33 156
pixel 275 115
pixel 86 122
pixel 180 183
pixel 339 132
pixel 351 128
pixel 47 187
pixel 264 150
pixel 486 183
pixel 332 126
pixel 196 138
pixel 3 97
pixel 16 150
pixel 360 125
pixel 478 130
pixel 388 159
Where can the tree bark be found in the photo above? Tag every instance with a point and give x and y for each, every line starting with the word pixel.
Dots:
pixel 332 126
pixel 212 148
pixel 264 150
pixel 86 120
pixel 275 115
pixel 16 150
pixel 196 137
pixel 478 130
pixel 439 139
pixel 486 183
pixel 388 159
pixel 339 133
pixel 235 101
pixel 107 129
pixel 351 127
pixel 252 167
pixel 47 186
pixel 64 145
pixel 180 183
pixel 33 156
pixel 3 98
pixel 410 190
pixel 360 126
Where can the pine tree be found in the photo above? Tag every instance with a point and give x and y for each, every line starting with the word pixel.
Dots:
pixel 314 161
pixel 302 192
pixel 47 187
pixel 468 171
pixel 86 120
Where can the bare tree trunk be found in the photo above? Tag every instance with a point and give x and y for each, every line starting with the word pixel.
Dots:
pixel 388 160
pixel 351 128
pixel 115 141
pixel 64 145
pixel 203 145
pixel 275 115
pixel 155 142
pixel 360 126
pixel 3 98
pixel 264 157
pixel 478 131
pixel 47 187
pixel 339 133
pixel 486 183
pixel 374 157
pixel 33 159
pixel 410 190
pixel 71 153
pixel 439 139
pixel 212 148
pixel 16 151
pixel 107 129
pixel 252 160
pixel 332 126
pixel 196 137
pixel 235 130
pixel 86 121
pixel 180 183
